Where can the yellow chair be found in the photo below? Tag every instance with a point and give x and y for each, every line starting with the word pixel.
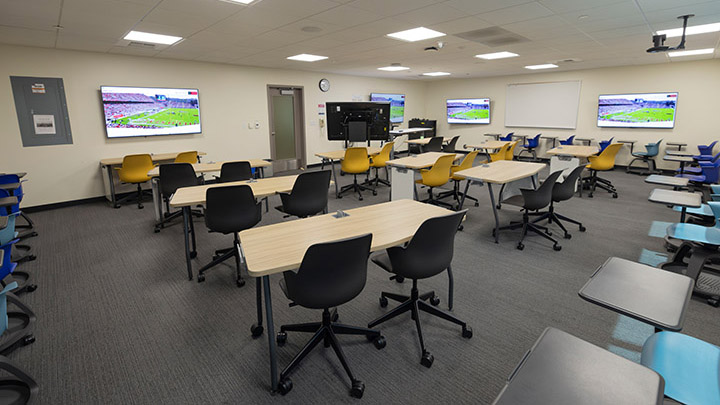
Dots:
pixel 436 176
pixel 356 161
pixel 511 151
pixel 501 154
pixel 465 164
pixel 134 170
pixel 378 161
pixel 187 157
pixel 603 162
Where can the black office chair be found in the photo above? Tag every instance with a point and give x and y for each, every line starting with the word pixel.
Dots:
pixel 330 274
pixel 172 177
pixel 561 192
pixel 534 200
pixel 434 145
pixel 309 195
pixel 235 171
pixel 428 253
pixel 450 147
pixel 230 209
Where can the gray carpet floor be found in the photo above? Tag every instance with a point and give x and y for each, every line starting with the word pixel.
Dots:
pixel 118 322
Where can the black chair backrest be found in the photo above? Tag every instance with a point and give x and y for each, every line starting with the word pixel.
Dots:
pixel 435 144
pixel 450 147
pixel 565 190
pixel 331 273
pixel 430 251
pixel 231 209
pixel 176 175
pixel 309 194
pixel 235 171
pixel 540 198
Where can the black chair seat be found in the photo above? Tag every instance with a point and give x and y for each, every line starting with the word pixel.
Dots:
pixel 383 260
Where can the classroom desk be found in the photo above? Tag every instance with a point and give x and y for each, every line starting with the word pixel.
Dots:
pixel 567 157
pixel 8 202
pixel 493 136
pixel 678 153
pixel 407 131
pixel 487 146
pixel 552 138
pixel 675 182
pixel 108 164
pixel 647 294
pixel 584 141
pixel 563 369
pixel 403 172
pixel 188 197
pixel 275 248
pixel 425 141
pixel 337 156
pixel 500 172
pixel 681 159
pixel 10 187
pixel 679 145
pixel 682 199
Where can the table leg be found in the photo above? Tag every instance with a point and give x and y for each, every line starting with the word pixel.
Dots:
pixel 332 166
pixel 113 198
pixel 533 179
pixel 494 208
pixel 462 200
pixel 186 230
pixel 271 335
pixel 682 168
pixel 682 214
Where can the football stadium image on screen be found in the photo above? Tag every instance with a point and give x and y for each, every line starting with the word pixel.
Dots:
pixel 651 110
pixel 143 111
pixel 468 111
pixel 397 105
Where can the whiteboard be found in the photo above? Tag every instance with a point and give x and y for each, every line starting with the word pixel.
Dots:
pixel 542 105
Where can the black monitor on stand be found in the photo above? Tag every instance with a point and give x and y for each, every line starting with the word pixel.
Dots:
pixel 358 121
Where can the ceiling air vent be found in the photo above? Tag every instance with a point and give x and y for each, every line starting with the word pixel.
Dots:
pixel 492 37
pixel 143 45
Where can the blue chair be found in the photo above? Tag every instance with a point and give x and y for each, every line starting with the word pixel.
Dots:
pixel 689 366
pixel 706 149
pixel 700 158
pixel 7 240
pixel 604 144
pixel 14 178
pixel 710 173
pixel 507 138
pixel 530 146
pixel 568 141
pixel 15 209
pixel 651 150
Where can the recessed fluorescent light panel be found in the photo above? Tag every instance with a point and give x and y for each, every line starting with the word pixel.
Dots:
pixel 692 53
pixel 497 55
pixel 238 1
pixel 436 74
pixel 545 66
pixel 416 34
pixel 304 57
pixel 393 68
pixel 698 29
pixel 151 38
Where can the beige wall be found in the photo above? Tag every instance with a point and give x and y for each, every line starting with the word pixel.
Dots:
pixel 698 84
pixel 230 97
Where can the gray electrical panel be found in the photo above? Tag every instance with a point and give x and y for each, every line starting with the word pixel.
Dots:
pixel 41 110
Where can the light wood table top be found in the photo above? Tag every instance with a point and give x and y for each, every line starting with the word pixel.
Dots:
pixel 340 154
pixel 280 247
pixel 425 141
pixel 502 171
pixel 261 188
pixel 403 131
pixel 156 157
pixel 488 145
pixel 421 161
pixel 213 167
pixel 573 150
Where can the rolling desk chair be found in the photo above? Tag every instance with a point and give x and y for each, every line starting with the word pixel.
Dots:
pixel 605 144
pixel 14 325
pixel 379 161
pixel 20 388
pixel 507 138
pixel 187 157
pixel 568 141
pixel 530 146
pixel 562 192
pixel 19 193
pixel 356 162
pixel 11 211
pixel 172 177
pixel 465 164
pixel 534 200
pixel 602 162
pixel 429 253
pixel 8 274
pixel 309 195
pixel 501 154
pixel 706 149
pixel 134 170
pixel 235 171
pixel 230 209
pixel 710 173
pixel 435 145
pixel 651 150
pixel 450 147
pixel 331 274
pixel 438 175
pixel 510 154
pixel 697 169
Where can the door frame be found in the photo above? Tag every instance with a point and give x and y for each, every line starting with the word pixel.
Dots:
pixel 298 119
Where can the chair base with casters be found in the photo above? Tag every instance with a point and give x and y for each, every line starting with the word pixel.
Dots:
pixel 170 216
pixel 434 200
pixel 648 160
pixel 19 387
pixel 458 195
pixel 528 225
pixel 357 188
pixel 594 181
pixel 707 282
pixel 137 195
pixel 415 303
pixel 22 279
pixel 552 216
pixel 18 324
pixel 529 151
pixel 222 255
pixel 325 331
pixel 377 180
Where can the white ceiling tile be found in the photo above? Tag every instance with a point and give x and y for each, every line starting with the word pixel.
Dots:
pixel 434 14
pixel 563 6
pixel 28 37
pixel 477 7
pixel 346 16
pixel 68 40
pixel 461 25
pixel 391 7
pixel 523 12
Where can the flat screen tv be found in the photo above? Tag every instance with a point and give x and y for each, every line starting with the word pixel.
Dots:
pixel 358 121
pixel 397 105
pixel 150 111
pixel 468 111
pixel 643 110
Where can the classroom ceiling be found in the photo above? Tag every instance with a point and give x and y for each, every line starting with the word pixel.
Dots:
pixel 352 33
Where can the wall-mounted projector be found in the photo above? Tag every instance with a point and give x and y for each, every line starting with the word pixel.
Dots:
pixel 659 40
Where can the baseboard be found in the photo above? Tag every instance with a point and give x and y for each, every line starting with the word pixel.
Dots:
pixel 63 204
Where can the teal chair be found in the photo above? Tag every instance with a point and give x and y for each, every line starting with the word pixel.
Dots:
pixel 651 150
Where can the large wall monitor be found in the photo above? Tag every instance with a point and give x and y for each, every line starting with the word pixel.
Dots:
pixel 643 110
pixel 149 111
pixel 468 111
pixel 397 105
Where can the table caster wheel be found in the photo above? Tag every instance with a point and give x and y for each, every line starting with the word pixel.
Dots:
pixel 374 192
pixel 357 390
pixel 590 196
pixel 281 338
pixel 201 278
pixel 339 197
pixel 399 279
pixel 383 302
pixel 427 359
pixel 193 255
pixel 285 385
pixel 379 342
pixel 256 330
pixel 557 248
pixel 567 236
pixel 157 230
pixel 435 300
pixel 33 234
pixel 141 207
pixel 240 282
pixel 27 340
pixel 116 206
pixel 360 198
pixel 582 228
pixel 467 332
pixel 461 227
pixel 477 204
pixel 30 288
pixel 614 195
pixel 715 301
pixel 520 246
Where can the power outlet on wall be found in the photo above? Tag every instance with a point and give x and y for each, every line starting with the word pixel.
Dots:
pixel 257 124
